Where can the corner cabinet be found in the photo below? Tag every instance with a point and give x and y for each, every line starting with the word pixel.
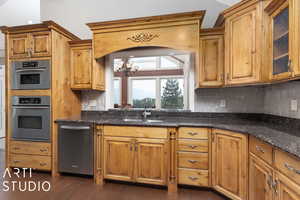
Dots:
pixel 230 163
pixel 211 57
pixel 86 73
pixel 244 37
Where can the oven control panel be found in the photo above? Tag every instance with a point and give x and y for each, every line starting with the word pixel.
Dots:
pixel 30 100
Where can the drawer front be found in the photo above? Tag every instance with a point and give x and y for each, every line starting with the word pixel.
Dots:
pixel 30 161
pixel 288 165
pixel 193 177
pixel 193 133
pixel 34 148
pixel 136 131
pixel 261 149
pixel 193 160
pixel 193 145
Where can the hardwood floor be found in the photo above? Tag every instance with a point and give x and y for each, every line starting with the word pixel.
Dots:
pixel 82 188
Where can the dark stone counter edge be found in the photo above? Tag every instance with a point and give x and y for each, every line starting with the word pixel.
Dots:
pixel 270 139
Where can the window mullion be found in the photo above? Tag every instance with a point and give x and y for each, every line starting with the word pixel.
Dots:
pixel 158 95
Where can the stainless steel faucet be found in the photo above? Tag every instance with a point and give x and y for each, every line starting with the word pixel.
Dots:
pixel 146 113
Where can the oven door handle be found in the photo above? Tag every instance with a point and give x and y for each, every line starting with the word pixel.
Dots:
pixel 75 127
pixel 29 70
pixel 31 107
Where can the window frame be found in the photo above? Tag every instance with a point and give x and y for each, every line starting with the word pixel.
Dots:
pixel 120 86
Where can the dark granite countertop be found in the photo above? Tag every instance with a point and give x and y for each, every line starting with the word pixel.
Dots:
pixel 280 132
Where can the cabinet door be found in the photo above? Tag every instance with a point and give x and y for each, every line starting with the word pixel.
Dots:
pixel 230 164
pixel 118 158
pixel 81 68
pixel 211 61
pixel 41 44
pixel 151 161
pixel 98 81
pixel 260 179
pixel 242 63
pixel 285 188
pixel 295 30
pixel 19 46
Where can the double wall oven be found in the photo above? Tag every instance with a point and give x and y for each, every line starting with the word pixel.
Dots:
pixel 31 115
pixel 31 118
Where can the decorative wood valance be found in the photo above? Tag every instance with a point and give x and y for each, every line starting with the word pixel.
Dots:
pixel 178 31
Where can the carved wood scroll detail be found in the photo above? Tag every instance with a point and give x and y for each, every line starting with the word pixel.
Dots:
pixel 142 37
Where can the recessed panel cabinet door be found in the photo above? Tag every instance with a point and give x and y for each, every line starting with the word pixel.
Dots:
pixel 241 40
pixel 260 180
pixel 118 158
pixel 211 58
pixel 151 161
pixel 19 46
pixel 41 44
pixel 81 68
pixel 285 188
pixel 230 164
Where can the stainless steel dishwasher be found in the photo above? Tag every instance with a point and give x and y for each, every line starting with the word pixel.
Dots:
pixel 75 148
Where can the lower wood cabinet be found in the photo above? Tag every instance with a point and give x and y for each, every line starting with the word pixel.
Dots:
pixel 136 159
pixel 260 179
pixel 230 163
pixel 285 189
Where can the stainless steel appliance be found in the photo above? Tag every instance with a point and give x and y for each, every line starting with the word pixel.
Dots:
pixel 31 118
pixel 31 75
pixel 75 148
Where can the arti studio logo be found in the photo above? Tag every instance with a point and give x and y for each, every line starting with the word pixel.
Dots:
pixel 23 185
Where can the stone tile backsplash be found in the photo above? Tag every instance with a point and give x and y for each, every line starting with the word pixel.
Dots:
pixel 273 99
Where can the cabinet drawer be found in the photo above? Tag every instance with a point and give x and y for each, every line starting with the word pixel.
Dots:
pixel 193 145
pixel 136 131
pixel 193 177
pixel 193 160
pixel 30 161
pixel 261 149
pixel 288 165
pixel 193 133
pixel 34 148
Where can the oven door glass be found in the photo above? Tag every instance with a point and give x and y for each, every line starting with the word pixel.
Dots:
pixel 31 123
pixel 30 79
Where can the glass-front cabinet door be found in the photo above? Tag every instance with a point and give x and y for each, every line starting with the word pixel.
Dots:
pixel 281 42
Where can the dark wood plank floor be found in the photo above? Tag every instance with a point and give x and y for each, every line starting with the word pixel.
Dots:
pixel 82 188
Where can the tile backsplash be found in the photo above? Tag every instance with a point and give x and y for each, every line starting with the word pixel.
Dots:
pixel 272 99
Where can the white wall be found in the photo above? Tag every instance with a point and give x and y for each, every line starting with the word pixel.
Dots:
pixel 18 12
pixel 74 14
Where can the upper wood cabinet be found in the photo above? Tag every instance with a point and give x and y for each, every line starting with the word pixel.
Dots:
pixel 211 57
pixel 230 163
pixel 86 73
pixel 30 45
pixel 244 37
pixel 283 37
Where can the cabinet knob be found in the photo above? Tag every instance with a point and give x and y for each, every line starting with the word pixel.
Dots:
pixel 192 133
pixel 193 161
pixel 43 164
pixel 43 150
pixel 260 149
pixel 193 178
pixel 192 146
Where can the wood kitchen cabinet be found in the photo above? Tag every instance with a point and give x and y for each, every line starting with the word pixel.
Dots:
pixel 244 37
pixel 143 159
pixel 285 189
pixel 30 45
pixel 260 179
pixel 230 163
pixel 86 73
pixel 211 57
pixel 118 158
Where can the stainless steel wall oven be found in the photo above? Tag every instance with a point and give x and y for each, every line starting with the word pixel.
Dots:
pixel 31 118
pixel 31 75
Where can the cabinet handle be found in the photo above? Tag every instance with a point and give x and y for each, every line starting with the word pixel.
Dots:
pixel 43 164
pixel 43 150
pixel 135 147
pixel 131 147
pixel 227 76
pixel 16 148
pixel 258 148
pixel 274 186
pixel 192 133
pixel 193 178
pixel 221 77
pixel 290 66
pixel 269 181
pixel 16 161
pixel 291 168
pixel 193 161
pixel 192 146
pixel 28 52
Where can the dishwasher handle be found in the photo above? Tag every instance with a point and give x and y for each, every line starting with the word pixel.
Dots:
pixel 75 127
